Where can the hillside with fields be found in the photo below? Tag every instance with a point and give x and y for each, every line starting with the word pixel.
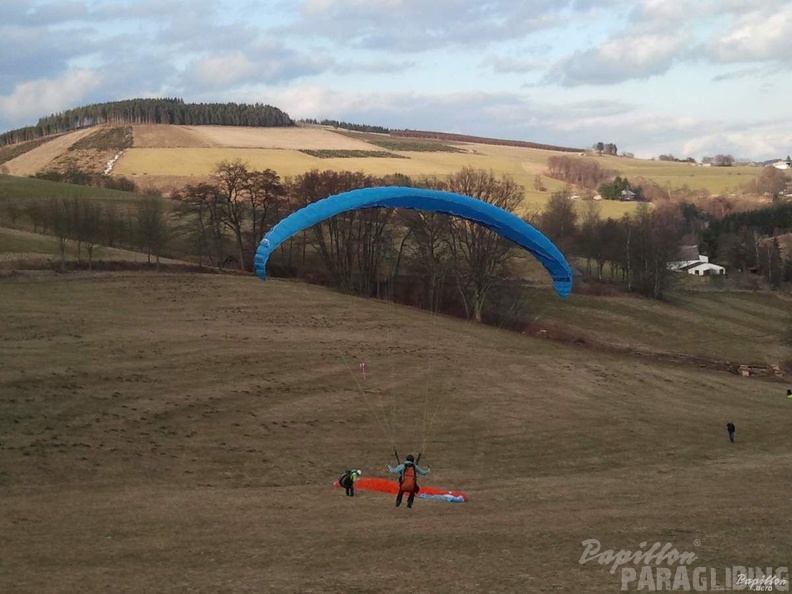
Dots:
pixel 166 157
pixel 169 422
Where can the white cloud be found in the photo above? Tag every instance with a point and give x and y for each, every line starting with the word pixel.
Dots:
pixel 549 71
pixel 512 65
pixel 760 144
pixel 221 70
pixel 623 57
pixel 34 99
pixel 416 25
pixel 758 35
pixel 665 12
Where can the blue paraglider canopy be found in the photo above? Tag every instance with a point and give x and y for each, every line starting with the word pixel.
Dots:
pixel 492 217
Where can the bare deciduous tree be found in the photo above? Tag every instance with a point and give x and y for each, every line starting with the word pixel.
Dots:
pixel 152 228
pixel 558 220
pixel 232 180
pixel 480 255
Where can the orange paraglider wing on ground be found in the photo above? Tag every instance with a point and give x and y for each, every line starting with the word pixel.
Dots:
pixel 392 487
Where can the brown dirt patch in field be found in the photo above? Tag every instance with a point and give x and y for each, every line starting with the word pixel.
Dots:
pixel 39 158
pixel 293 138
pixel 166 184
pixel 88 161
pixel 168 136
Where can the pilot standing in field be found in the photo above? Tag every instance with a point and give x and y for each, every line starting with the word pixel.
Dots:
pixel 408 482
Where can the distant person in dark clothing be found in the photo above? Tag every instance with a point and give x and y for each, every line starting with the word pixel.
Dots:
pixel 731 430
pixel 347 480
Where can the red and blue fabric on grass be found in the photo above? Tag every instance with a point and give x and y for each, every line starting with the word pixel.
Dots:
pixel 382 485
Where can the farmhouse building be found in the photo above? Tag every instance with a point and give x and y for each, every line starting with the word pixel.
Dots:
pixel 692 262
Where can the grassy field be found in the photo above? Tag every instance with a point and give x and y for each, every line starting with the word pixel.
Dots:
pixel 191 165
pixel 20 249
pixel 717 180
pixel 19 190
pixel 713 326
pixel 180 433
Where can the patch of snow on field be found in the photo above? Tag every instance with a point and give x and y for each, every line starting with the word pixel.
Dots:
pixel 112 162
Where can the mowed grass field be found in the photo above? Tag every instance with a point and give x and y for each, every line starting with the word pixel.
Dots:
pixel 181 433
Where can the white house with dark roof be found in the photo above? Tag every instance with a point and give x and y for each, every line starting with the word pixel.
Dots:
pixel 692 262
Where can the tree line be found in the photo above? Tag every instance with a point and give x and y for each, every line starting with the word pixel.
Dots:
pixel 87 224
pixel 151 111
pixel 606 148
pixel 347 125
pixel 749 241
pixel 634 250
pixel 447 136
pixel 441 260
pixel 421 258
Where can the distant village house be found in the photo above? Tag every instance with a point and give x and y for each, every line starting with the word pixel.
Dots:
pixel 692 262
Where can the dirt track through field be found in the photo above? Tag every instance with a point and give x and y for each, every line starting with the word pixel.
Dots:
pixel 181 433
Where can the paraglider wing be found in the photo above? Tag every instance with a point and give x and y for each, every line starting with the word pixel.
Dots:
pixel 392 487
pixel 492 217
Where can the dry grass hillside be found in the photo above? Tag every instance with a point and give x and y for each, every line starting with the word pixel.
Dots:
pixel 181 433
pixel 167 157
pixel 39 158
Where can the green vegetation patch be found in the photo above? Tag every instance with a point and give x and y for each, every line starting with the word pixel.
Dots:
pixel 397 143
pixel 19 189
pixel 351 154
pixel 416 146
pixel 115 139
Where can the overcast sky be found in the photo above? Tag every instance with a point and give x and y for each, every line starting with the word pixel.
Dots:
pixel 687 77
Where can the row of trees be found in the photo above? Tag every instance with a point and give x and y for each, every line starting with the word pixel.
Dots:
pixel 607 149
pixel 719 160
pixel 585 173
pixel 428 259
pixel 87 224
pixel 670 157
pixel 423 258
pixel 347 125
pixel 635 249
pixel 770 181
pixel 151 111
pixel 73 175
pixel 749 241
pixel 361 251
pixel 588 174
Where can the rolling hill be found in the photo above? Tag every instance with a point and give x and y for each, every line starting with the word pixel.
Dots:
pixel 181 432
pixel 169 156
